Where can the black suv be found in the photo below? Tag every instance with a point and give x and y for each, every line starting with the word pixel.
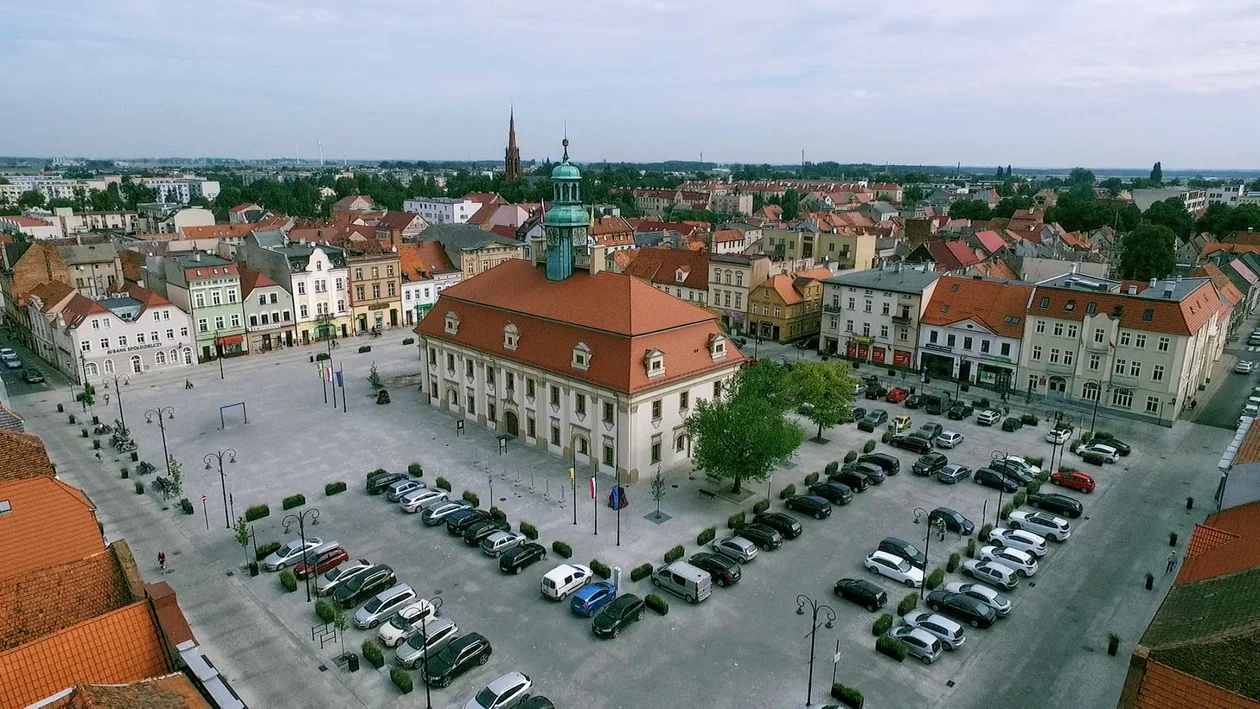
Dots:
pixel 903 549
pixel 832 491
pixel 1056 503
pixel 850 478
pixel 722 569
pixel 380 482
pixel 935 405
pixel 460 521
pixel 914 401
pixel 784 524
pixel 455 659
pixel 989 477
pixel 761 535
pixel 889 464
pixel 1121 447
pixel 477 533
pixel 857 413
pixel 1012 423
pixel 961 607
pixel 616 615
pixel 960 410
pixel 367 584
pixel 876 391
pixel 514 560
pixel 873 473
pixel 1015 472
pixel 954 521
pixel 930 430
pixel 819 507
pixel 929 463
pixel 911 442
pixel 862 592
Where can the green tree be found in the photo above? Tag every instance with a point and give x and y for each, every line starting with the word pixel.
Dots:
pixel 769 380
pixel 912 194
pixel 1113 185
pixel 825 390
pixel 1171 213
pixel 1080 176
pixel 1148 251
pixel 659 490
pixel 1008 206
pixel 791 203
pixel 31 198
pixel 374 379
pixel 241 531
pixel 177 477
pixel 969 209
pixel 999 173
pixel 1157 173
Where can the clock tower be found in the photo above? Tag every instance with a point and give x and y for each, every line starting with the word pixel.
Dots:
pixel 566 222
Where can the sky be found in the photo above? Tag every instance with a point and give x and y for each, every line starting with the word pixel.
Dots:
pixel 1096 83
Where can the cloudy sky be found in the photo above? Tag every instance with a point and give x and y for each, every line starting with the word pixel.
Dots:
pixel 1028 82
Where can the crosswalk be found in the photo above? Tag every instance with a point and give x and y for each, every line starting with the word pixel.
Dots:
pixel 1253 348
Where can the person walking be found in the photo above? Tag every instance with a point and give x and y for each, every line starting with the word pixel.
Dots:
pixel 162 561
pixel 1172 562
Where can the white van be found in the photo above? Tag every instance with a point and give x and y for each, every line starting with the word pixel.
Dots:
pixel 563 580
pixel 684 580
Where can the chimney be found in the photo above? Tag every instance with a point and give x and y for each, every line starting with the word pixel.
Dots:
pixel 1132 290
pixel 196 255
pixel 1074 265
pixel 1153 282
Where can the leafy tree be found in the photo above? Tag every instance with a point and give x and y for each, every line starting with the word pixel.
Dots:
pixel 1222 220
pixel 1008 172
pixel 241 532
pixel 659 489
pixel 912 194
pixel 1113 185
pixel 771 381
pixel 1007 207
pixel 999 172
pixel 177 477
pixel 31 198
pixel 1157 173
pixel 1148 251
pixel 374 379
pixel 1080 176
pixel 791 203
pixel 825 390
pixel 1171 213
pixel 969 209
pixel 339 622
pixel 1006 189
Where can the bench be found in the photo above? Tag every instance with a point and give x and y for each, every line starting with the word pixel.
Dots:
pixel 708 494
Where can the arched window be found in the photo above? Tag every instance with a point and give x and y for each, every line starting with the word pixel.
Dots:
pixel 453 396
pixel 1122 398
pixel 1090 391
pixel 174 356
pixel 109 366
pixel 136 366
pixel 159 357
pixel 90 368
pixel 187 355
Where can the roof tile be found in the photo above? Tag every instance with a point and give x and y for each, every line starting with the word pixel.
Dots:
pixel 50 523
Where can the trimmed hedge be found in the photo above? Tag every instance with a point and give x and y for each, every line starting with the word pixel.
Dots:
pixel 96 444
pixel 640 572
pixel 1033 488
pixel 761 506
pixel 471 498
pixel 139 488
pixel 288 580
pixel 1035 460
pixel 867 426
pixel 971 548
pixel 529 530
pixel 185 506
pixel 256 512
pixel 264 550
pixel 850 456
pixel 1019 500
pixel 934 579
pixel 787 492
pixel 496 513
pixel 1007 509
pixel 954 560
pixel 126 472
pixel 735 520
pixel 832 467
pixel 706 536
pixel 868 446
pixel 83 431
pixel 984 532
pixel 333 488
pixel 882 624
pixel 372 653
pixel 1029 419
pixel 811 479
pixel 325 611
pixel 886 437
pixel 656 603
pixel 293 501
pixel 600 569
pixel 674 554
pixel 415 470
pixel 891 647
pixel 562 549
pixel 847 695
pixel 907 604
pixel 443 484
pixel 401 679
pixel 378 471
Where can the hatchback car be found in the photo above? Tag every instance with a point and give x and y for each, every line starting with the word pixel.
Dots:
pixel 873 473
pixel 1018 474
pixel 961 608
pixel 499 542
pixel 856 413
pixel 894 567
pixel 988 477
pixel 437 514
pixel 918 643
pixel 1012 423
pixel 737 548
pixel 850 478
pixel 876 416
pixel 1102 450
pixel 839 493
pixel 914 401
pixel 1051 527
pixel 764 537
pixel 513 561
pixel 951 473
pixel 1058 436
pixel 959 411
pixel 1021 561
pixel 903 549
pixel 1020 539
pixel 819 507
pixel 991 572
pixel 784 524
pixel 948 439
pixel 32 376
pixel 395 491
pixel 929 464
pixel 988 596
pixel 374 580
pixel 337 577
pixel 592 597
pixel 417 614
pixel 1073 480
pixel 954 521
pixel 1121 447
pixel 947 631
pixel 900 423
pixel 383 606
pixel 930 430
pixel 506 691
pixel 1056 503
pixel 1244 367
pixel 417 500
pixel 435 634
pixel 459 656
pixel 7 352
pixel 876 391
pixel 988 417
pixel 480 531
pixel 862 592
pixel 291 553
pixel 896 395
pixel 722 569
pixel 615 616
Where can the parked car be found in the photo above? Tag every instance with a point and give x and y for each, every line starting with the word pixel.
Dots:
pixel 417 500
pixel 930 430
pixel 856 413
pixel 929 464
pixel 1099 450
pixel 814 505
pixel 894 567
pixel 592 597
pixel 33 376
pixel 499 542
pixel 513 561
pixel 12 361
pixel 914 401
pixel 383 606
pixel 374 580
pixel 721 568
pixel 831 491
pixel 7 352
pixel 460 655
pixel 1020 539
pixel 478 532
pixel 911 442
pixel 1058 436
pixel 738 548
pixel 337 577
pixel 876 416
pixel 461 520
pixel 876 391
pixel 918 643
pixel 947 631
pixel 320 559
pixel 502 693
pixel 1053 528
pixel 766 538
pixel 989 477
pixel 862 592
pixel 873 473
pixel 1073 480
pixel 563 580
pixel 617 615
pixel 1012 423
pixel 1023 464
pixel 538 701
pixel 903 549
pixel 1121 447
pixel 379 483
pixel 888 463
pixel 1018 474
pixel 436 635
pixel 988 417
pixel 959 410
pixel 962 608
pixel 851 478
pixel 951 473
pixel 1023 562
pixel 1244 367
pixel 783 523
pixel 896 395
pixel 954 521
pixel 399 488
pixel 984 594
pixel 291 553
pixel 948 439
pixel 1056 503
pixel 900 423
pixel 991 572
pixel 409 620
pixel 437 514
pixel 935 405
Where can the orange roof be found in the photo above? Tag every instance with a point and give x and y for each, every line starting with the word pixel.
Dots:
pixel 482 216
pixel 251 279
pixel 51 294
pixel 1166 688
pixel 1184 317
pixel 623 257
pixel 662 267
pixel 119 647
pixel 997 270
pixel 1228 290
pixel 174 691
pixel 1232 248
pixel 421 260
pixel 49 523
pixel 785 284
pixel 132 262
pixel 46 600
pixel 219 231
pixel 24 457
pixel 999 307
pixel 79 307
pixel 1229 541
pixel 619 317
pixel 484 197
pixel 726 236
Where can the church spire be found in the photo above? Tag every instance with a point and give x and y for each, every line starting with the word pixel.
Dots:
pixel 512 156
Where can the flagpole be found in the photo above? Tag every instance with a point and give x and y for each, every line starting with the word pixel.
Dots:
pixel 323 383
pixel 595 503
pixel 341 382
pixel 332 381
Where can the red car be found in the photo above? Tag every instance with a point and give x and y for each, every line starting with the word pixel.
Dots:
pixel 1073 481
pixel 323 558
pixel 896 396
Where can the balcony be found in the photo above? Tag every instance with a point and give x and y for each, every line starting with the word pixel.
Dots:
pixel 1093 346
pixel 901 319
pixel 832 309
pixel 1126 381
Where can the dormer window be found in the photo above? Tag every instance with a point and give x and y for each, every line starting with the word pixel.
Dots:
pixel 452 323
pixel 717 346
pixel 680 275
pixel 510 337
pixel 581 356
pixel 654 362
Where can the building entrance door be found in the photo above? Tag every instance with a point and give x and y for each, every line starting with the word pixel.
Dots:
pixel 511 423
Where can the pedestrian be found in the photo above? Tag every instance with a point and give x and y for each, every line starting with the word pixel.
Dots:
pixel 1172 562
pixel 162 561
pixel 188 384
pixel 107 398
pixel 1193 403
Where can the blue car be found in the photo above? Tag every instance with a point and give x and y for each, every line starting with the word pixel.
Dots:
pixel 592 597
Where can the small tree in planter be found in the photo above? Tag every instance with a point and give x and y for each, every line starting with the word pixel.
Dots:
pixel 374 379
pixel 340 623
pixel 241 532
pixel 658 490
pixel 177 477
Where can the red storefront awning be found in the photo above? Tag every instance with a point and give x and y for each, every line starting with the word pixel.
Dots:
pixel 229 340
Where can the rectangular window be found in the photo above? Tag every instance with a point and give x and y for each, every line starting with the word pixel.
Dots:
pixel 1119 367
pixel 529 387
pixel 684 400
pixel 949 340
pixel 450 362
pixel 389 290
pixel 122 340
pixel 1005 349
pixel 555 396
pixel 886 307
pixel 1163 344
pixel 216 297
pixel 656 448
pixel 1094 362
pixel 883 332
pixel 183 332
pixel 1135 369
pixel 301 287
pixel 170 334
pixel 1058 329
pixel 231 295
pixel 218 322
pixel 1071 332
pixel 202 326
pixel 984 346
pixel 468 368
pixel 932 336
pixel 656 409
pixel 236 320
pixel 555 434
pixel 1124 339
pixel 1099 335
pixel 851 305
pixel 376 290
pixel 1122 398
pixel 1041 325
pixel 139 338
pixel 868 306
pixel 608 453
pixel 579 404
pixel 433 356
pixel 531 428
pixel 717 389
pixel 848 326
pixel 86 346
pixel 472 403
pixel 1139 341
pixel 199 300
pixel 1152 404
pixel 1036 353
pixel 1054 355
pixel 1157 373
pixel 866 329
pixel 966 343
pixel 608 412
pixel 262 298
pixel 358 293
pixel 1069 357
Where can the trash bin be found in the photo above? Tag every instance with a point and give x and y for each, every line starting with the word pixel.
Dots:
pixel 352 662
pixel 253 568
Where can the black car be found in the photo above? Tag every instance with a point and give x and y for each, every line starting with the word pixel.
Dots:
pixel 819 507
pixel 903 549
pixel 862 592
pixel 367 584
pixel 954 520
pixel 876 391
pixel 850 478
pixel 1018 473
pixel 873 473
pixel 1012 423
pixel 962 608
pixel 1055 503
pixel 911 442
pixel 476 533
pixel 960 410
pixel 784 524
pixel 623 611
pixel 456 658
pixel 461 520
pixel 761 535
pixel 935 405
pixel 929 463
pixel 989 477
pixel 914 401
pixel 931 430
pixel 831 491
pixel 378 483
pixel 857 413
pixel 1121 447
pixel 889 464
pixel 34 376
pixel 514 560
pixel 538 701
pixel 722 569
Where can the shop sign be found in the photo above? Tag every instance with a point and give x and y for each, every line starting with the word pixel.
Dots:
pixel 937 348
pixel 134 348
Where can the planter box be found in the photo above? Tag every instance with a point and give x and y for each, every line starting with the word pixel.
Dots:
pixel 365 348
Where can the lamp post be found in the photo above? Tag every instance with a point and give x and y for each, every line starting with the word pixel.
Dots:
pixel 122 418
pixel 436 602
pixel 920 513
pixel 230 454
pixel 801 601
pixel 300 518
pixel 994 457
pixel 162 413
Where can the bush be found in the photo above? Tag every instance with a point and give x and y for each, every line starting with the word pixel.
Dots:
pixel 414 470
pixel 288 580
pixel 868 446
pixel 907 604
pixel 139 488
pixel 867 426
pixel 1034 487
pixel 293 501
pixel 656 603
pixel 886 437
pixel 126 473
pixel 1103 436
pixel 401 678
pixel 640 572
pixel 971 548
pixel 850 456
pixel 529 530
pixel 1074 444
pixel 706 536
pixel 325 611
pixel 562 549
pixel 443 484
pixel 1035 460
pixel 185 506
pixel 264 550
pixel 832 467
pixel 674 554
pixel 846 695
pixel 984 532
pixel 735 520
pixel 1042 477
pixel 471 498
pixel 882 624
pixel 600 569
pixel 1019 500
pixel 787 492
pixel 954 560
pixel 333 488
pixel 891 647
pixel 1007 509
pixel 255 512
pixel 1065 469
pixel 936 578
pixel 372 653
pixel 811 479
pixel 761 506
pixel 496 513
pixel 84 431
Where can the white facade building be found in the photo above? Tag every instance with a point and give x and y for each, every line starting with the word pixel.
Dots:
pixel 181 189
pixel 442 210
pixel 1226 194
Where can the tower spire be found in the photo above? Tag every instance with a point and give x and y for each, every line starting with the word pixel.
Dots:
pixel 512 156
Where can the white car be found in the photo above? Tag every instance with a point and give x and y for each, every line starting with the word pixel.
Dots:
pixel 1109 454
pixel 334 578
pixel 383 606
pixel 1004 577
pixel 507 691
pixel 1251 410
pixel 1243 367
pixel 895 568
pixel 499 542
pixel 290 553
pixel 948 439
pixel 417 500
pixel 988 596
pixel 1023 562
pixel 988 417
pixel 408 621
pixel 947 631
pixel 1024 465
pixel 1019 539
pixel 1056 529
pixel 1058 436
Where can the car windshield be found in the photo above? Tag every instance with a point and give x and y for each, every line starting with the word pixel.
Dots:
pixel 356 583
pixel 372 605
pixel 486 697
pixel 399 622
pixel 285 550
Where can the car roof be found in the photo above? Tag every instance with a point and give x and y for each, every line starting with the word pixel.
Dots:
pixel 506 682
pixel 877 554
pixel 922 635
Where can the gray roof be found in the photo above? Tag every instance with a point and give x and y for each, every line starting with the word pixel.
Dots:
pixel 87 253
pixel 189 259
pixel 270 238
pixel 457 238
pixel 1181 287
pixel 903 280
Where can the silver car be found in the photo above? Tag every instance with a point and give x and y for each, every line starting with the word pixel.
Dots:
pixel 919 643
pixel 435 635
pixel 988 596
pixel 395 492
pixel 290 553
pixel 419 499
pixel 737 548
pixel 333 578
pixel 1019 539
pixel 948 439
pixel 1022 562
pixel 503 693
pixel 992 572
pixel 499 542
pixel 947 631
pixel 383 606
pixel 951 474
pixel 438 513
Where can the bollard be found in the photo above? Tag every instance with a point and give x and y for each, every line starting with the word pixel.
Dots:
pixel 1189 503
pixel 1150 582
pixel 1172 539
pixel 616 579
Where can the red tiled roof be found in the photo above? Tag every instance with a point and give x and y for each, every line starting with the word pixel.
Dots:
pixel 1231 248
pixel 484 197
pixel 319 234
pixel 1229 541
pixel 1245 238
pixel 505 231
pixel 50 523
pixel 25 221
pixel 726 236
pixel 1229 292
pixel 132 262
pixel 24 456
pixel 661 266
pixel 611 225
pixel 78 308
pixel 685 230
pixel 1164 687
pixel 482 215
pixel 421 260
pixel 219 231
pixel 251 279
pixel 150 299
pixel 997 270
pixel 173 691
pixel 51 294
pixel 46 600
pixel 396 220
pixel 989 303
pixel 244 207
pixel 350 199
pixel 1184 317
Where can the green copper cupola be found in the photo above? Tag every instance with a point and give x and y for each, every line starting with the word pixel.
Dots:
pixel 566 221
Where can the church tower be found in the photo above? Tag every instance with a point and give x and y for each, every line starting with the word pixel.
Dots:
pixel 565 222
pixel 512 156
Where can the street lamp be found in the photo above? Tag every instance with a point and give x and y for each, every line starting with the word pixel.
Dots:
pixel 994 457
pixel 801 601
pixel 162 413
pixel 230 454
pixel 920 513
pixel 436 602
pixel 122 418
pixel 300 518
